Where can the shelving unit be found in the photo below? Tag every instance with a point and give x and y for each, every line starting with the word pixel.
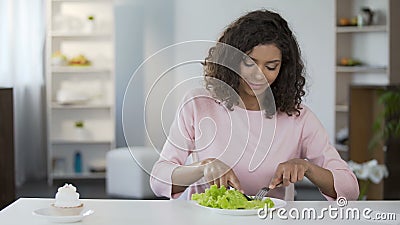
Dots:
pixel 71 33
pixel 355 29
pixel 361 69
pixel 373 45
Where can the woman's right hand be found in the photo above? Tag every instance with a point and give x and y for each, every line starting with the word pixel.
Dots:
pixel 217 172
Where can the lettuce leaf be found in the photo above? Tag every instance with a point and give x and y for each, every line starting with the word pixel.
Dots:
pixel 222 198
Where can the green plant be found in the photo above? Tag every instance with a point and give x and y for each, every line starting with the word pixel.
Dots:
pixel 79 124
pixel 387 124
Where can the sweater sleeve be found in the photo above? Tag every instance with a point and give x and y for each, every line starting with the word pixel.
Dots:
pixel 177 148
pixel 317 148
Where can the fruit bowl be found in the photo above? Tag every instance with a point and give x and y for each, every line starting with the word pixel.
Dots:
pixel 79 60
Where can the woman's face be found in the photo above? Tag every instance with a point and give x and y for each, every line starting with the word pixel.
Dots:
pixel 259 69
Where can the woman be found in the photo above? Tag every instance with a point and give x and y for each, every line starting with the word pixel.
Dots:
pixel 248 129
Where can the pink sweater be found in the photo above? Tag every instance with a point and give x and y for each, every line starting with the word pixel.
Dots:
pixel 250 143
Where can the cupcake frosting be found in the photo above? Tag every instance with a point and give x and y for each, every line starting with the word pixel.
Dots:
pixel 67 197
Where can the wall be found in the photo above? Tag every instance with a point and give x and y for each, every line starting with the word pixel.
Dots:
pixel 129 23
pixel 158 34
pixel 143 28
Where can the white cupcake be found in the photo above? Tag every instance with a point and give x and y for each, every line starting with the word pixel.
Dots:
pixel 67 201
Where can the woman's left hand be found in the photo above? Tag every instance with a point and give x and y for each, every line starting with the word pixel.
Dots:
pixel 289 172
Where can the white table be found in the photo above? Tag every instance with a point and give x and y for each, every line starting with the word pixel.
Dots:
pixel 120 212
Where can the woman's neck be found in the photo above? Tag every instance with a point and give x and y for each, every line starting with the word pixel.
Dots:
pixel 250 102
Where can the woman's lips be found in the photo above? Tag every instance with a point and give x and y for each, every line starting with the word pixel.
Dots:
pixel 256 86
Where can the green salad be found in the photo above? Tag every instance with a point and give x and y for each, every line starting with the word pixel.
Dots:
pixel 228 199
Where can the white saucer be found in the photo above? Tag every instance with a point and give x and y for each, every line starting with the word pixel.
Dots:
pixel 49 214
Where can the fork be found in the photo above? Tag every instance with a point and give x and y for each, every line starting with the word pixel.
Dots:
pixel 246 196
pixel 264 191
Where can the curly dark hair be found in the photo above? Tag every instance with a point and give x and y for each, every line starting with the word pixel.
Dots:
pixel 257 28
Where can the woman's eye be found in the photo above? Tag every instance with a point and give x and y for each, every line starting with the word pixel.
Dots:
pixel 271 68
pixel 248 62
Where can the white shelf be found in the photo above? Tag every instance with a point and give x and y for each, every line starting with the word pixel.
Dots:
pixel 74 35
pixel 79 176
pixel 55 1
pixel 342 108
pixel 361 69
pixel 82 142
pixel 373 45
pixel 99 112
pixel 356 29
pixel 80 69
pixel 87 106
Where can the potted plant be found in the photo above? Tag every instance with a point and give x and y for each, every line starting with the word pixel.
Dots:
pixel 81 133
pixel 91 23
pixel 79 124
pixel 387 124
pixel 385 130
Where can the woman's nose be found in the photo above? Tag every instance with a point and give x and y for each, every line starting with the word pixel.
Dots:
pixel 259 76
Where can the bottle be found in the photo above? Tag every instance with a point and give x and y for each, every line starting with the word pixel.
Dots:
pixel 360 20
pixel 78 162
